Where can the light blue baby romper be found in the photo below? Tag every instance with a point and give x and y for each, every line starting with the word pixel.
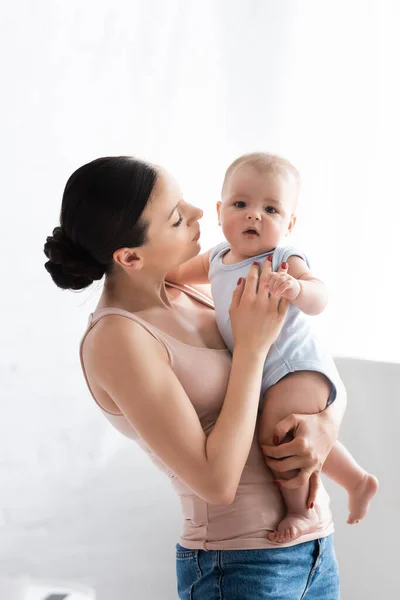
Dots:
pixel 297 347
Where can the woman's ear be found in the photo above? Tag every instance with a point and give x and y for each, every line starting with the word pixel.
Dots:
pixel 128 258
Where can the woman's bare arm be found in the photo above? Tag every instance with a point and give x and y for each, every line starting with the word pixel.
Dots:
pixel 133 368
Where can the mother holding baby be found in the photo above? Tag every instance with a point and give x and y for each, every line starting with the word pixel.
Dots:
pixel 157 367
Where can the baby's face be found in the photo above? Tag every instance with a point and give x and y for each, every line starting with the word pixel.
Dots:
pixel 257 210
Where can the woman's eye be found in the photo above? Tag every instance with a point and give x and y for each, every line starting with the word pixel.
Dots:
pixel 270 209
pixel 179 221
pixel 242 204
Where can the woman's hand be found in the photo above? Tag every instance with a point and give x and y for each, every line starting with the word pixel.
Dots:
pixel 313 438
pixel 256 316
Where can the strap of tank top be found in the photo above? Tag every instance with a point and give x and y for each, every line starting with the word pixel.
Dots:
pixel 190 291
pixel 187 289
pixel 94 317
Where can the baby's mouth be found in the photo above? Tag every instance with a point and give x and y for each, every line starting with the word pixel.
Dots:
pixel 251 233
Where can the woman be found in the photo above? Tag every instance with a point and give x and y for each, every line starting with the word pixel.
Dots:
pixel 157 367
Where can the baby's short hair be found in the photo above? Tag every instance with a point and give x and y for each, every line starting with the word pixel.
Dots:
pixel 266 163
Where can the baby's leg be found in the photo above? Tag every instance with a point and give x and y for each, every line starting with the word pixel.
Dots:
pixel 305 392
pixel 360 485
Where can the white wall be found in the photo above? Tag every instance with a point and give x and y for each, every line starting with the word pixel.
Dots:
pixel 190 85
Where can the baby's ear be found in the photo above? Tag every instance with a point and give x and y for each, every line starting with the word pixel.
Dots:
pixel 292 223
pixel 218 206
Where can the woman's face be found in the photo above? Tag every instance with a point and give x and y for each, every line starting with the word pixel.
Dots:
pixel 173 234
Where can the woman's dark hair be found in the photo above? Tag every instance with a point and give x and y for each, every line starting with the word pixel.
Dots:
pixel 101 212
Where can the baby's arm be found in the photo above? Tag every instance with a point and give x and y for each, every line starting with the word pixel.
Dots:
pixel 193 271
pixel 312 295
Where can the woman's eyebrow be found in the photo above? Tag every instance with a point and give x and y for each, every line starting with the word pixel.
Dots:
pixel 172 212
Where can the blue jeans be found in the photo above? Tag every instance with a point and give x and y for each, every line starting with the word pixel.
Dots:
pixel 307 571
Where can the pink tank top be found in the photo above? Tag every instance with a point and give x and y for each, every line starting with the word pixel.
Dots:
pixel 258 506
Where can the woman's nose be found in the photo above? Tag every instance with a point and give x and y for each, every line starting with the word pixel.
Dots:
pixel 196 213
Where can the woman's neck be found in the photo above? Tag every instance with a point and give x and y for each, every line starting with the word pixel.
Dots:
pixel 134 294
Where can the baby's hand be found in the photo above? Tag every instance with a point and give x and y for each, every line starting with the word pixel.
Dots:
pixel 283 284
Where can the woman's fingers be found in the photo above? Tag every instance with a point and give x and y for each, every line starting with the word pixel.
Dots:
pixel 283 267
pixel 276 302
pixel 297 481
pixel 283 305
pixel 297 448
pixel 261 277
pixel 237 293
pixel 266 272
pixel 299 453
pixel 267 266
pixel 289 423
pixel 287 464
pixel 315 481
pixel 251 282
pixel 282 451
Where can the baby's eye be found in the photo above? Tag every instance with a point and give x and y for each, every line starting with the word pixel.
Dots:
pixel 270 209
pixel 179 221
pixel 241 203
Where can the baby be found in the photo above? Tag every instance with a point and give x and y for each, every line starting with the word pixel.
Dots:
pixel 257 212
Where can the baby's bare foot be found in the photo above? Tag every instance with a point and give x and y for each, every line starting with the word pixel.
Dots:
pixel 360 498
pixel 293 526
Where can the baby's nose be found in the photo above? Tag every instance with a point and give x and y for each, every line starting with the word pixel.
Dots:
pixel 254 214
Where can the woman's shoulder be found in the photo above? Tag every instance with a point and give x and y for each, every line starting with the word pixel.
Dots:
pixel 104 349
pixel 110 336
pixel 112 328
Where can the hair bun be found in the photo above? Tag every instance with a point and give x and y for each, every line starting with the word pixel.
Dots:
pixel 71 267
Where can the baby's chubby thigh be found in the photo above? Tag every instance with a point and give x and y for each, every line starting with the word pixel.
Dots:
pixel 301 392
